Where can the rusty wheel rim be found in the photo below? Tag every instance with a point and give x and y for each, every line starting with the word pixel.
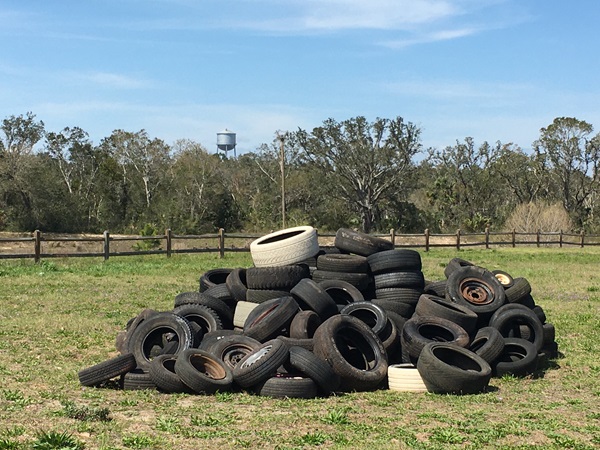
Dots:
pixel 476 291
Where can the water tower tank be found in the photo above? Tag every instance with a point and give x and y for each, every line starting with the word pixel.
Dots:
pixel 226 141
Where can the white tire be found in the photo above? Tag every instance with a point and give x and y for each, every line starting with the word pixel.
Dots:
pixel 405 378
pixel 284 247
pixel 242 309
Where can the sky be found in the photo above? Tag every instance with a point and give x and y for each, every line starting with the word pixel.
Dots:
pixel 494 70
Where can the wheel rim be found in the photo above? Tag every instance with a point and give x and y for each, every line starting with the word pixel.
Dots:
pixel 476 291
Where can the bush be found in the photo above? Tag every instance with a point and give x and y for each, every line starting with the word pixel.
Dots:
pixel 534 216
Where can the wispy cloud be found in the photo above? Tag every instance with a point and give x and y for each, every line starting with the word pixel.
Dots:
pixel 434 36
pixel 109 80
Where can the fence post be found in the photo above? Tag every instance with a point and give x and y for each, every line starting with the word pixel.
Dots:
pixel 582 238
pixel 458 239
pixel 106 245
pixel 514 238
pixel 169 237
pixel 537 238
pixel 221 242
pixel 37 245
pixel 393 237
pixel 560 238
pixel 426 239
pixel 487 237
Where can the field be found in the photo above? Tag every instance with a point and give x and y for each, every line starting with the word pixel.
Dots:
pixel 60 316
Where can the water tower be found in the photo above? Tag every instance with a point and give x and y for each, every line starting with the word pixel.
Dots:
pixel 226 141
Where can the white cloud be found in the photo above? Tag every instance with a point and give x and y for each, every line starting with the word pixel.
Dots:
pixel 435 36
pixel 108 79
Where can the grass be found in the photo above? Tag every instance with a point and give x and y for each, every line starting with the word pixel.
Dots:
pixel 63 315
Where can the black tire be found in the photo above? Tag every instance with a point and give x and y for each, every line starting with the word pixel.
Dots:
pixel 437 288
pixel 351 241
pixel 221 292
pixel 315 368
pixel 390 339
pixel 487 343
pixel 360 280
pixel 477 289
pixel 267 321
pixel 430 305
pixel 310 295
pixel 160 330
pixel 456 263
pixel 203 372
pixel 518 358
pixel 505 278
pixel 287 386
pixel 354 352
pixel 213 336
pixel 405 295
pixel 280 278
pixel 549 333
pixel 263 295
pixel 396 260
pixel 414 280
pixel 232 349
pixel 540 313
pixel 213 277
pixel 122 343
pixel 369 313
pixel 307 344
pixel 106 370
pixel 261 364
pixel 224 312
pixel 419 331
pixel 342 292
pixel 162 373
pixel 510 320
pixel 448 369
pixel 205 318
pixel 527 301
pixel 236 284
pixel 185 298
pixel 137 380
pixel 304 324
pixel 342 263
pixel 518 290
pixel 405 310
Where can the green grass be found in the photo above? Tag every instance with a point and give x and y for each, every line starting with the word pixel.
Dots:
pixel 63 315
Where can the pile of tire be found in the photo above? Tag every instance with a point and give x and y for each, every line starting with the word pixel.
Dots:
pixel 304 322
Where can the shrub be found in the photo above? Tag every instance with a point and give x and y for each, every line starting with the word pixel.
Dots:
pixel 534 216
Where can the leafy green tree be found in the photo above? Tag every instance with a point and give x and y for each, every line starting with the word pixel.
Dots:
pixel 363 163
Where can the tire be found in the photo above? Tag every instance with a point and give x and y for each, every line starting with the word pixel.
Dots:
pixel 232 349
pixel 137 380
pixel 405 378
pixel 437 288
pixel 123 343
pixel 261 364
pixel 264 295
pixel 342 263
pixel 518 290
pixel 354 352
pixel 405 310
pixel 419 331
pixel 284 247
pixel 371 314
pixel 203 372
pixel 242 309
pixel 223 311
pixel 351 241
pixel 477 289
pixel 106 370
pixel 315 368
pixel 162 373
pixel 185 298
pixel 267 321
pixel 213 277
pixel 487 343
pixel 511 319
pixel 518 358
pixel 404 295
pixel 549 333
pixel 448 369
pixel 308 344
pixel 539 312
pixel 304 324
pixel 281 278
pixel 359 280
pixel 310 295
pixel 505 279
pixel 342 292
pixel 430 305
pixel 414 280
pixel 221 293
pixel 159 330
pixel 456 263
pixel 205 318
pixel 390 339
pixel 236 284
pixel 397 260
pixel 286 386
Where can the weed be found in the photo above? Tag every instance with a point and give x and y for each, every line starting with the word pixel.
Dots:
pixel 83 412
pixel 51 440
pixel 7 444
pixel 167 424
pixel 338 416
pixel 139 441
pixel 315 438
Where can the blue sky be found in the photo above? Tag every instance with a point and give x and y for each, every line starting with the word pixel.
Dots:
pixel 489 69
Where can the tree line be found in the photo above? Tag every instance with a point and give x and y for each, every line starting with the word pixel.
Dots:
pixel 354 173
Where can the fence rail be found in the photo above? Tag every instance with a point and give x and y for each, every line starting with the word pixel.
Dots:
pixel 169 243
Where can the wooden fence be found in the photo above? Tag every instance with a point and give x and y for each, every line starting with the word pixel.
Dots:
pixel 41 244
